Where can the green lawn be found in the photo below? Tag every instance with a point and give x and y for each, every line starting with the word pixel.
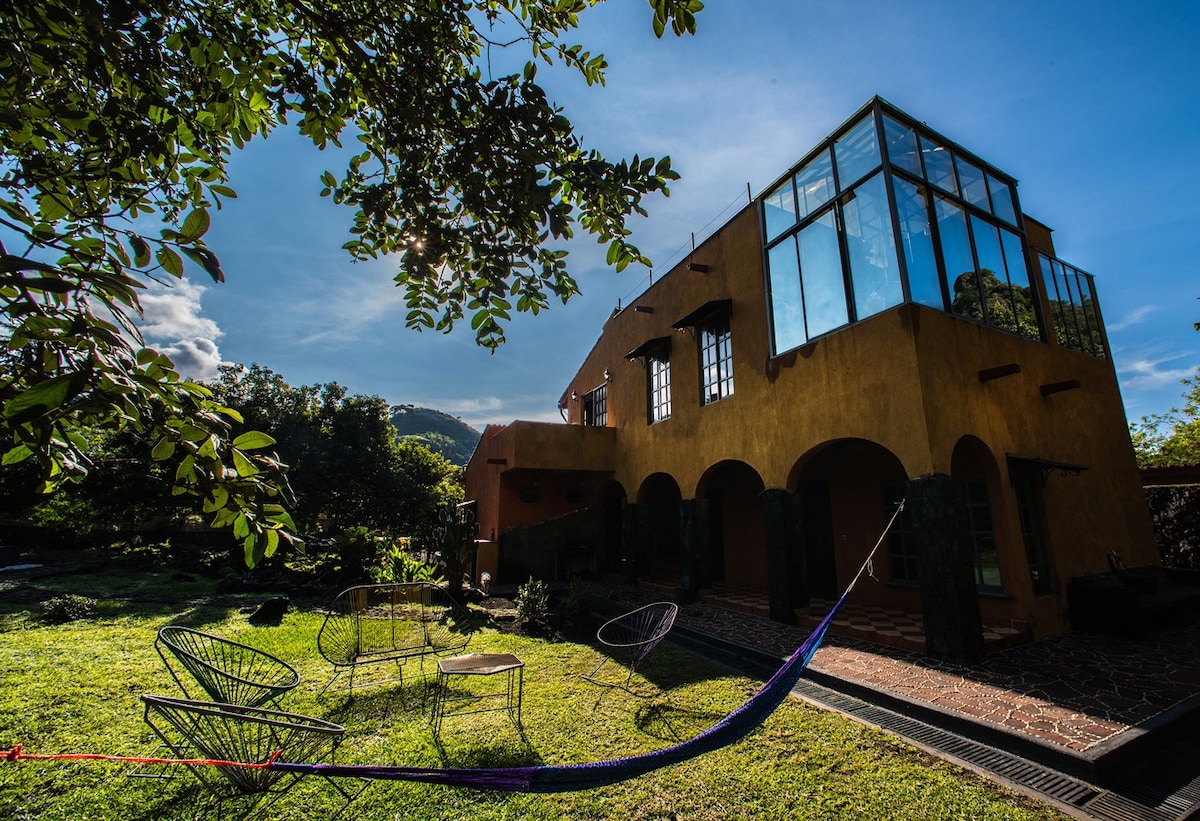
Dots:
pixel 74 688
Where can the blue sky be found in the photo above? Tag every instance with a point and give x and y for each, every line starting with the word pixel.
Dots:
pixel 1092 106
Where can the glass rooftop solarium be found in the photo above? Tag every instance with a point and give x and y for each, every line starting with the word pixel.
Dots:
pixel 884 212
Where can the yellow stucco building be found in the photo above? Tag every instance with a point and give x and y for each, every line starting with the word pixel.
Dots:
pixel 883 322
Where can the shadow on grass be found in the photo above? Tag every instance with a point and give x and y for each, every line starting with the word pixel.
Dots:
pixel 471 750
pixel 669 722
pixel 378 704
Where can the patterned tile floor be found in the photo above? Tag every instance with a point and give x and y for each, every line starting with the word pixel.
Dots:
pixel 1075 691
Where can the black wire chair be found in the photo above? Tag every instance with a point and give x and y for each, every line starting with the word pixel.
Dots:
pixel 217 742
pixel 629 638
pixel 227 671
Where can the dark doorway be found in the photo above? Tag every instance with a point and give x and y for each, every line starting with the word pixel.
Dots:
pixel 817 517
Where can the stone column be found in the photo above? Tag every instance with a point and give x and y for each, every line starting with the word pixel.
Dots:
pixel 937 505
pixel 694 545
pixel 780 529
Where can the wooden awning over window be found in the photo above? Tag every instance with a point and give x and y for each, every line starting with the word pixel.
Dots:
pixel 716 306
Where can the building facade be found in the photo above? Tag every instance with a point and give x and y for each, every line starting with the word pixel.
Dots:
pixel 882 323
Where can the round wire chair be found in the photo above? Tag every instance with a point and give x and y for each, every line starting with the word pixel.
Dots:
pixel 629 638
pixel 228 671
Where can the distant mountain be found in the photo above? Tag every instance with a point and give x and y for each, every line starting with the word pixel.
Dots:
pixel 441 432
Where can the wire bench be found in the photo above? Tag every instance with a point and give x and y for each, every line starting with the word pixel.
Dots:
pixel 374 623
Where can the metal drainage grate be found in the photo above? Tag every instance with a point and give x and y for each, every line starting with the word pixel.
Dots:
pixel 1166 788
pixel 1062 788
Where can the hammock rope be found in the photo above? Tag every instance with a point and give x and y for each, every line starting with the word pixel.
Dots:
pixel 17 754
pixel 563 777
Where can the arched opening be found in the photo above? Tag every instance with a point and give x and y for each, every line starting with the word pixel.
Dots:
pixel 973 465
pixel 732 492
pixel 848 490
pixel 660 497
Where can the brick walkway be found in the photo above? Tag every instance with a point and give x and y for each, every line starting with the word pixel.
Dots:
pixel 1075 691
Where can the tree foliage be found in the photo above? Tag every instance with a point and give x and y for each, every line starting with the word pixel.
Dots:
pixel 1171 438
pixel 346 466
pixel 118 117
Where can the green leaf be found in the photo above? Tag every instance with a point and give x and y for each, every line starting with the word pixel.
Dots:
pixel 163 450
pixel 18 454
pixel 195 225
pixel 41 398
pixel 253 440
pixel 243 465
pixel 171 262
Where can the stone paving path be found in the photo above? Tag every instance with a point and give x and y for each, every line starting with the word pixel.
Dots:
pixel 1074 691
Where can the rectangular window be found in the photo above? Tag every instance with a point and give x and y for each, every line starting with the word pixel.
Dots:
pixel 939 166
pixel 974 189
pixel 821 278
pixel 857 153
pixel 1027 483
pixel 958 260
pixel 902 147
pixel 916 240
pixel 814 184
pixel 595 407
pixel 1072 296
pixel 871 248
pixel 658 374
pixel 787 306
pixel 779 210
pixel 982 534
pixel 716 361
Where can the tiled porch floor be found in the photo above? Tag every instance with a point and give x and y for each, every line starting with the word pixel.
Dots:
pixel 1074 692
pixel 890 627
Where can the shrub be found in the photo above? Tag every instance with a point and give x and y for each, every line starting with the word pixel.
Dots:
pixel 533 605
pixel 67 608
pixel 397 565
pixel 576 607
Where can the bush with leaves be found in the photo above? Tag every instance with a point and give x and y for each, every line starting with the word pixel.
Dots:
pixel 397 565
pixel 533 605
pixel 67 608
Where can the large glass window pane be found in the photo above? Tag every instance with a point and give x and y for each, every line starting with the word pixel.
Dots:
pixel 916 241
pixel 939 166
pixel 787 307
pixel 974 189
pixel 997 299
pixel 874 272
pixel 1018 279
pixel 814 184
pixel 779 210
pixel 857 153
pixel 1064 317
pixel 821 277
pixel 1087 287
pixel 902 147
pixel 1002 200
pixel 957 259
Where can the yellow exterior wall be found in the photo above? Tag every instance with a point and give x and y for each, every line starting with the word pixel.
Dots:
pixel 907 379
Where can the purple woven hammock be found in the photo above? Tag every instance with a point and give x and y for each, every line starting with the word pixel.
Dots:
pixel 570 777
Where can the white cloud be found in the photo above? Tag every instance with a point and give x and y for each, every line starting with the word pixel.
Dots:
pixel 1137 315
pixel 173 312
pixel 1147 374
pixel 172 323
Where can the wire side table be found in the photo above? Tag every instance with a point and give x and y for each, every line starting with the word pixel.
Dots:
pixel 479 664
